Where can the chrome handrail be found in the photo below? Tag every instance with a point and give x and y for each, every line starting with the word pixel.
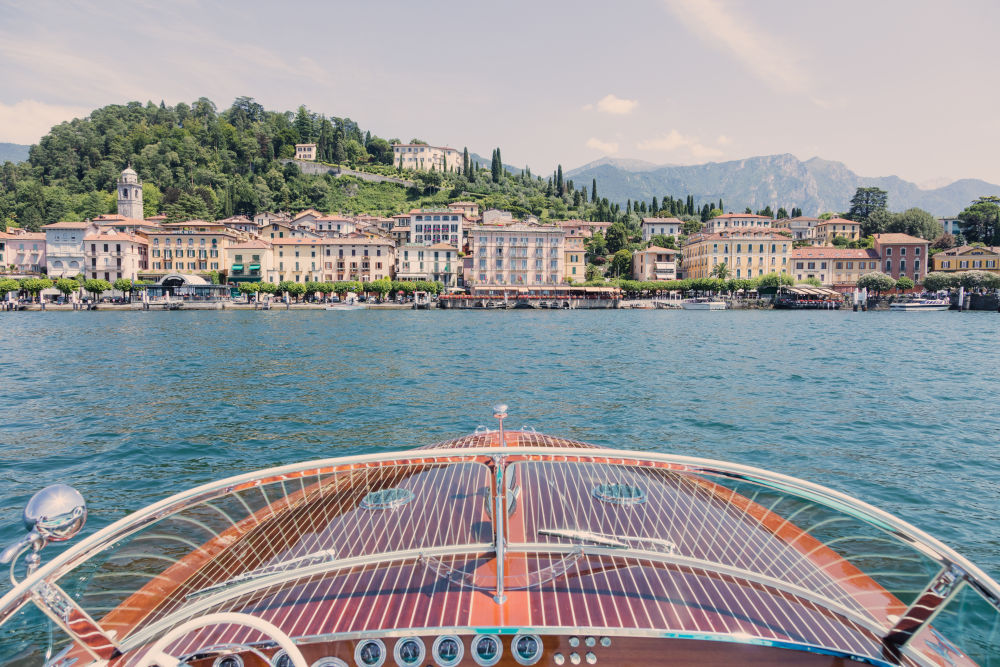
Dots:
pixel 816 493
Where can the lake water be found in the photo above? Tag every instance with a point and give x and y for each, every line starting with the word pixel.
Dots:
pixel 897 409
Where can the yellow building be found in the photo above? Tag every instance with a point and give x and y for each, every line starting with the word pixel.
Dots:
pixel 747 252
pixel 968 258
pixel 654 263
pixel 575 264
pixel 193 247
pixel 834 267
pixel 827 230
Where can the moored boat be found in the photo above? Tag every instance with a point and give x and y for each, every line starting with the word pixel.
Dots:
pixel 921 304
pixel 503 547
pixel 703 303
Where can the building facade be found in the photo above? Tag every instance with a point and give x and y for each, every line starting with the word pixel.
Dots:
pixel 517 254
pixel 298 260
pixel 968 258
pixel 23 251
pixel 194 247
pixel 429 227
pixel 422 157
pixel 305 152
pixel 735 221
pixel 111 255
pixel 665 226
pixel 827 230
pixel 364 259
pixel 438 262
pixel 834 267
pixel 654 263
pixel 575 263
pixel 64 256
pixel 803 228
pixel 902 255
pixel 951 225
pixel 249 261
pixel 748 252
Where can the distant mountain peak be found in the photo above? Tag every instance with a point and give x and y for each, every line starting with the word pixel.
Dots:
pixel 815 185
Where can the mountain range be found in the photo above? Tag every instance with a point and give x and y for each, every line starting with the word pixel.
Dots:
pixel 814 185
pixel 13 152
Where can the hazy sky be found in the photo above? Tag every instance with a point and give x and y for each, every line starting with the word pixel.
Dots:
pixel 888 87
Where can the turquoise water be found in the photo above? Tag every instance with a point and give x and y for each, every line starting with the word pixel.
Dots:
pixel 897 409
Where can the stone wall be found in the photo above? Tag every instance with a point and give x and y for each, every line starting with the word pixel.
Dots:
pixel 318 169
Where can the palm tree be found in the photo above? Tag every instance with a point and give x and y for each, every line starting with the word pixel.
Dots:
pixel 720 271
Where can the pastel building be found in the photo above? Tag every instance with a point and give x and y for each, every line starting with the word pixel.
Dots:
pixel 654 263
pixel 518 254
pixel 429 227
pixel 832 266
pixel 734 221
pixel 422 157
pixel 297 259
pixel 580 227
pixel 827 230
pixel 110 254
pixel 902 255
pixel 23 251
pixel 665 226
pixel 364 259
pixel 64 255
pixel 968 258
pixel 575 263
pixel 249 261
pixel 469 209
pixel 803 228
pixel 305 152
pixel 748 252
pixel 438 262
pixel 951 225
pixel 193 247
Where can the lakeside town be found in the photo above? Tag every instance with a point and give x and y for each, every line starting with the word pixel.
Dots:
pixel 471 257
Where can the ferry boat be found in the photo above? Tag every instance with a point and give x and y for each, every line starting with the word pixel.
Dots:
pixel 921 304
pixel 499 548
pixel 703 303
pixel 350 304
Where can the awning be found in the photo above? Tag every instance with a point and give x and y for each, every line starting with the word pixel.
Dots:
pixel 237 267
pixel 255 267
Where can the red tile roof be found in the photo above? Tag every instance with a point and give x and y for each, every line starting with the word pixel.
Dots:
pixel 727 216
pixel 891 239
pixel 677 220
pixel 66 225
pixel 832 252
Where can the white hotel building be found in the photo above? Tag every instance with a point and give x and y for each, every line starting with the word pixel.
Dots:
pixel 518 254
pixel 423 157
pixel 430 227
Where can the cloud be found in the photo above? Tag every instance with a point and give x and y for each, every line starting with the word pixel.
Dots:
pixel 768 58
pixel 27 121
pixel 603 146
pixel 674 140
pixel 723 140
pixel 613 105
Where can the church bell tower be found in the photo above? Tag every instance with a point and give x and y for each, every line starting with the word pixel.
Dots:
pixel 130 195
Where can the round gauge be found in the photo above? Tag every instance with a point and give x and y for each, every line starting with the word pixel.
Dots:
pixel 409 651
pixel 281 659
pixel 370 653
pixel 527 649
pixel 448 650
pixel 486 650
pixel 228 661
pixel 322 662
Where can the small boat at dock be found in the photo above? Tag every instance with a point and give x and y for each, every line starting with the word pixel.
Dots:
pixel 921 304
pixel 703 303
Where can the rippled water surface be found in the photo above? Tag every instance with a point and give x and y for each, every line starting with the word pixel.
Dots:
pixel 897 409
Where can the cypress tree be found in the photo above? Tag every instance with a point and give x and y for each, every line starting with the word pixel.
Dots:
pixel 593 191
pixel 465 161
pixel 721 208
pixel 655 208
pixel 628 206
pixel 559 180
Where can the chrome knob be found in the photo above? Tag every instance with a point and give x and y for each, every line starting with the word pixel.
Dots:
pixel 56 513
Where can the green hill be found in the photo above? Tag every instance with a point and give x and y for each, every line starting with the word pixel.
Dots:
pixel 196 161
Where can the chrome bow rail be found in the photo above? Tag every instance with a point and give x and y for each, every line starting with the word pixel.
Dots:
pixel 954 571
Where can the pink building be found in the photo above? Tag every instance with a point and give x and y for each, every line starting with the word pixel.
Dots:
pixel 902 255
pixel 23 250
